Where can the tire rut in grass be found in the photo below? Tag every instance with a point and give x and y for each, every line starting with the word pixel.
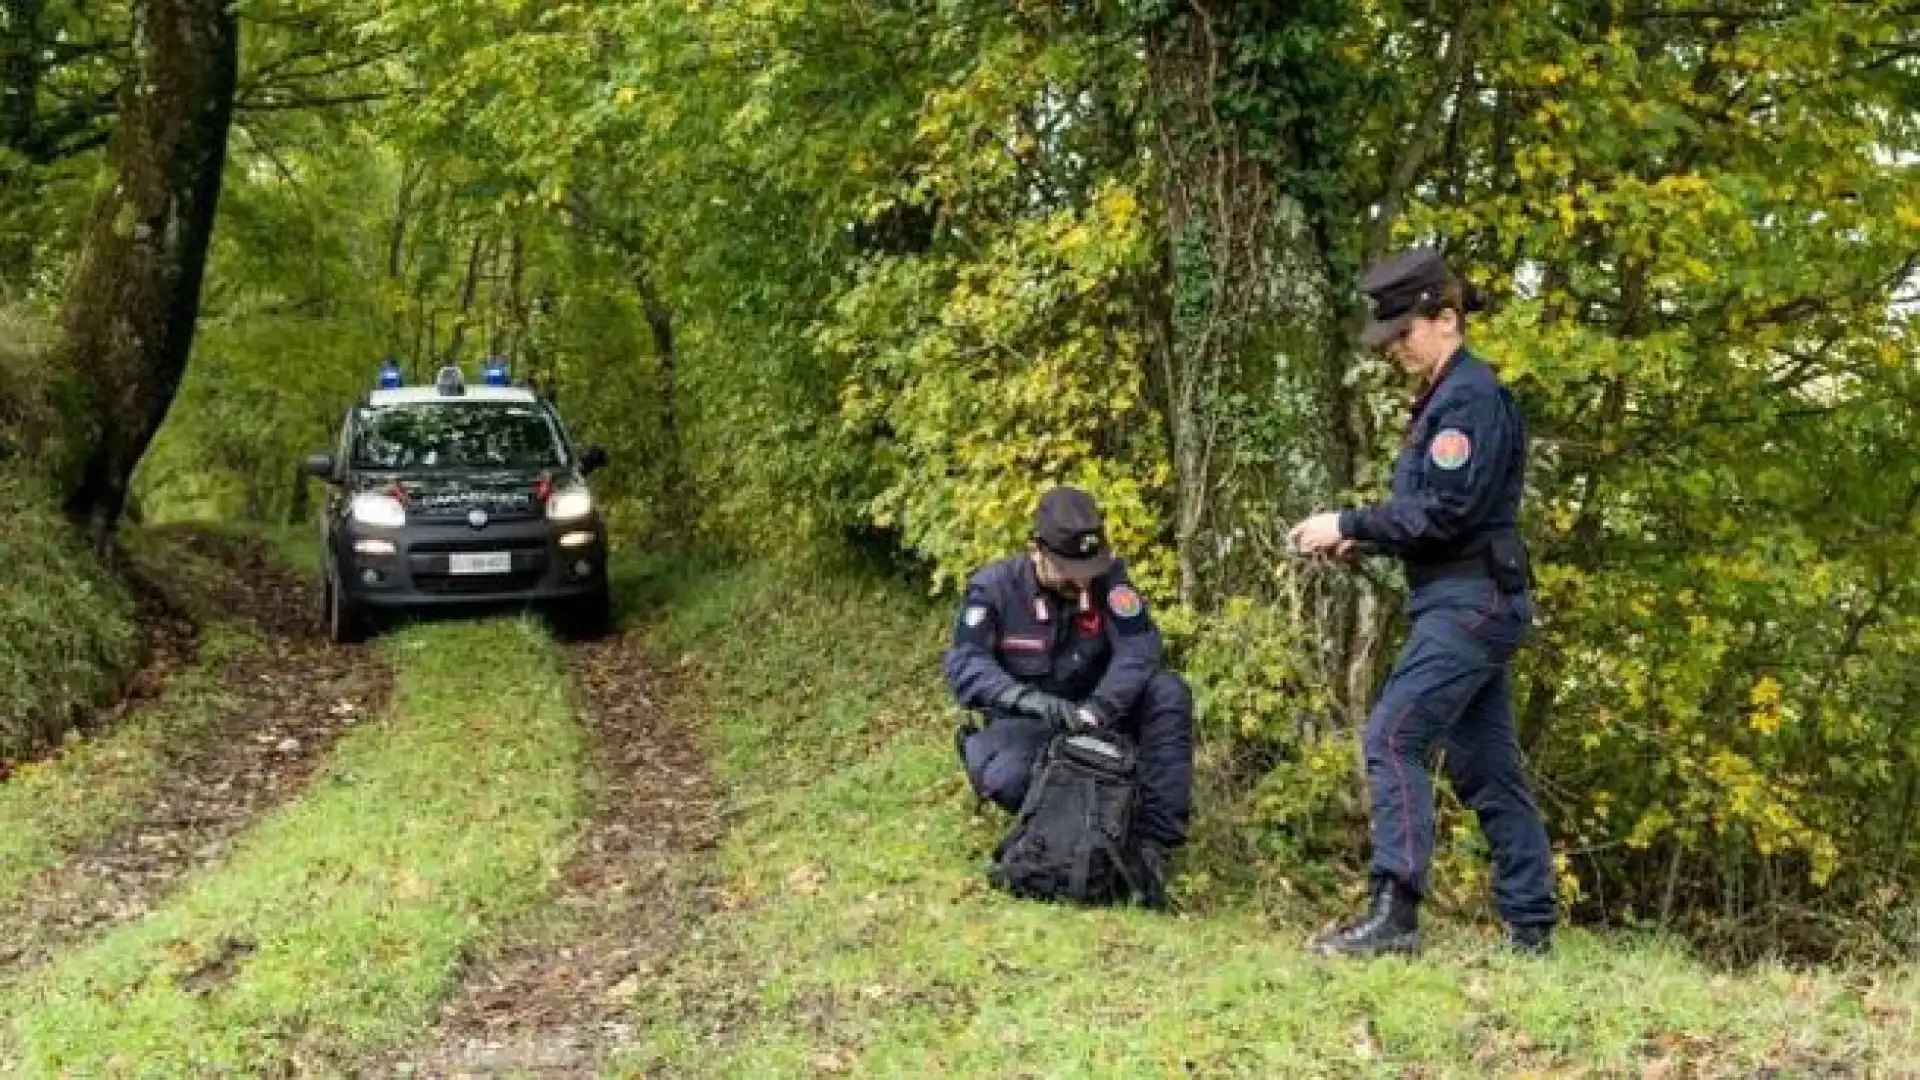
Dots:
pixel 557 1003
pixel 280 708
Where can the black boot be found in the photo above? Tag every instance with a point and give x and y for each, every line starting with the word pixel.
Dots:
pixel 1391 925
pixel 1530 940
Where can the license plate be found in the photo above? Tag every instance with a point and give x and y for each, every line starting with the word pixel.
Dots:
pixel 480 562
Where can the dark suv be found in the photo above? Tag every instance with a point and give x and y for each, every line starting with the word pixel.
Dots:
pixel 455 494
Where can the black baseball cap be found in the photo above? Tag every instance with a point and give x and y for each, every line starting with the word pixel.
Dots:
pixel 1068 527
pixel 1399 288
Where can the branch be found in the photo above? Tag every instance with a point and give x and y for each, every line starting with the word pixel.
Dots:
pixel 293 104
pixel 266 147
pixel 1425 132
pixel 51 142
pixel 279 70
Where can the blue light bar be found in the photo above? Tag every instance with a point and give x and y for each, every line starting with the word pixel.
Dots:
pixel 390 377
pixel 495 372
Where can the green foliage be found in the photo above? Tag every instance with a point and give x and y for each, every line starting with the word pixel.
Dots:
pixel 67 630
pixel 1721 381
pixel 824 269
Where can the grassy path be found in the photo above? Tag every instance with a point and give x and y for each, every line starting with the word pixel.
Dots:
pixel 858 939
pixel 554 1001
pixel 339 921
pixel 95 835
pixel 745 851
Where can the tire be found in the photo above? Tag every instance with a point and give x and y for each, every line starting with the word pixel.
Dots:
pixel 588 618
pixel 345 624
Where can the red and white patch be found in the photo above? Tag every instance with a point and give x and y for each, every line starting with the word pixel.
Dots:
pixel 1450 449
pixel 1023 644
pixel 1126 603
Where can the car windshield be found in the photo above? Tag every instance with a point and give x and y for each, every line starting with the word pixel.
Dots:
pixel 466 435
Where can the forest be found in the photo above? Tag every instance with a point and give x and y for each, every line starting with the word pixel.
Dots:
pixel 854 281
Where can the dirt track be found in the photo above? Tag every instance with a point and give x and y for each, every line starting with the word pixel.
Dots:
pixel 555 1004
pixel 280 709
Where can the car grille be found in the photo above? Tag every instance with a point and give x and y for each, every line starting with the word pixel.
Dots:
pixel 450 585
pixel 479 541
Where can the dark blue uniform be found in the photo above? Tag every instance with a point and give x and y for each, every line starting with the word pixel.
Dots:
pixel 1452 521
pixel 1102 651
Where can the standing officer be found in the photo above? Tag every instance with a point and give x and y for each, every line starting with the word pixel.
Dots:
pixel 1451 519
pixel 1057 638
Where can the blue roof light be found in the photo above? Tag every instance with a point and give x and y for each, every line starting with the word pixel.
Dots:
pixel 495 371
pixel 390 377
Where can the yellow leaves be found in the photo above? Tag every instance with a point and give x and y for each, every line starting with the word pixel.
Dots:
pixel 1568 213
pixel 1766 715
pixel 626 95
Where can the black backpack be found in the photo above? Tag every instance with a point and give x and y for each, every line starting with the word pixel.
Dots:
pixel 1073 837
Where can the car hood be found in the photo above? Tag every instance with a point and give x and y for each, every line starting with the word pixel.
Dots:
pixel 501 495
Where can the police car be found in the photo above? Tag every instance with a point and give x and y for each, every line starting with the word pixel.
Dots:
pixel 453 494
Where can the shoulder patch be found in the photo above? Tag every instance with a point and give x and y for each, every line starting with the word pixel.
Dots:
pixel 1450 449
pixel 1126 603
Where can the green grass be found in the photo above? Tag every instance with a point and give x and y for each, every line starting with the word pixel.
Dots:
pixel 860 938
pixel 67 631
pixel 340 920
pixel 96 785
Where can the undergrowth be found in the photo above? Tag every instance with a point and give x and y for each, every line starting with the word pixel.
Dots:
pixel 858 936
pixel 68 634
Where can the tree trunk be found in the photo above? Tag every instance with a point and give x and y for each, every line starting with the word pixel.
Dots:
pixel 19 99
pixel 467 289
pixel 660 321
pixel 128 324
pixel 410 177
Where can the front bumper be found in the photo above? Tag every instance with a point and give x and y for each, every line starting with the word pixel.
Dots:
pixel 420 570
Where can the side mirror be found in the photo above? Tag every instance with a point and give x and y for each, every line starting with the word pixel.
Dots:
pixel 593 459
pixel 320 465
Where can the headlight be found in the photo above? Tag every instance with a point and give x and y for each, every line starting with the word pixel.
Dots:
pixel 570 505
pixel 381 510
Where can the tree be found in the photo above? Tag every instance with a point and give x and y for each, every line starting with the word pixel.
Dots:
pixel 128 323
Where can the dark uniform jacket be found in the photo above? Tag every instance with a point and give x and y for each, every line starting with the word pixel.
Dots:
pixel 1456 484
pixel 1099 651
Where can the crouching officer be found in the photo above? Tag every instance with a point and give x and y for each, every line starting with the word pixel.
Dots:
pixel 1055 638
pixel 1451 519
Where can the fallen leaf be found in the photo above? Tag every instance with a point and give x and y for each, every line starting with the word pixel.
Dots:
pixel 1365 1047
pixel 806 879
pixel 624 991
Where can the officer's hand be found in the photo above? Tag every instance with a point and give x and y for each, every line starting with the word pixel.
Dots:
pixel 1317 535
pixel 1057 712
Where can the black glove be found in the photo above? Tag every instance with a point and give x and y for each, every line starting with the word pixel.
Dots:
pixel 1036 705
pixel 1059 713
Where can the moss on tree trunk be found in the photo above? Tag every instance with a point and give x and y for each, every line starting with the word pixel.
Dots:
pixel 128 323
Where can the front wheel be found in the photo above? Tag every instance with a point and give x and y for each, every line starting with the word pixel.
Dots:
pixel 345 624
pixel 586 618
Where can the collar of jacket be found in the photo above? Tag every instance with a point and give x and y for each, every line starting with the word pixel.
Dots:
pixel 1461 358
pixel 1032 592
